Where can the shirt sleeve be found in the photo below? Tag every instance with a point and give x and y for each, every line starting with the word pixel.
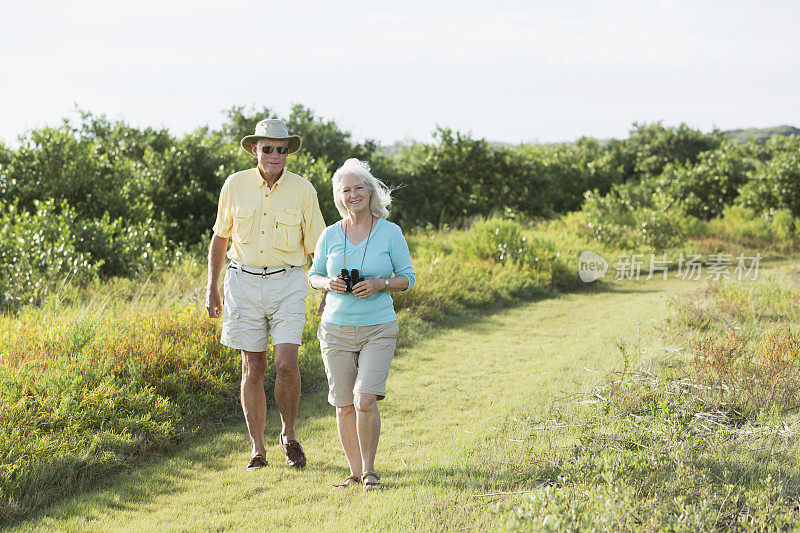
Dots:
pixel 313 223
pixel 224 222
pixel 319 265
pixel 400 256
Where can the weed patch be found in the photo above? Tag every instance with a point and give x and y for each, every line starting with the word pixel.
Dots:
pixel 704 443
pixel 658 459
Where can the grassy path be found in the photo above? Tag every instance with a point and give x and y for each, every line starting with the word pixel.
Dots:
pixel 458 423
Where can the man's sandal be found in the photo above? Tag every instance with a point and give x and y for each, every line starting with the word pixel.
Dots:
pixel 371 485
pixel 259 461
pixel 347 483
pixel 294 452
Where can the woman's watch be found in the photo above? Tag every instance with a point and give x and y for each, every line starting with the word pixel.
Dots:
pixel 385 284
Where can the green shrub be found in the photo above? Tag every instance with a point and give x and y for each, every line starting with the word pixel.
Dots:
pixel 447 182
pixel 651 147
pixel 123 249
pixel 783 224
pixel 775 185
pixel 316 171
pixel 61 164
pixel 449 284
pixel 166 187
pixel 712 183
pixel 771 230
pixel 493 263
pixel 503 241
pixel 549 180
pixel 38 252
pixel 52 247
pixel 623 218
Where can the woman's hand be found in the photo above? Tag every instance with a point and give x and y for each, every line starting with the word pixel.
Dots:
pixel 336 285
pixel 368 287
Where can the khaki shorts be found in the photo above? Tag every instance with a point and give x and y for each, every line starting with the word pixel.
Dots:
pixel 357 359
pixel 258 306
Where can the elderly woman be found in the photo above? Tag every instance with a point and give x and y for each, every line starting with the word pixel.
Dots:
pixel 358 261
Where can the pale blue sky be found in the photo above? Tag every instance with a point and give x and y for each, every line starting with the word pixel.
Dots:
pixel 508 71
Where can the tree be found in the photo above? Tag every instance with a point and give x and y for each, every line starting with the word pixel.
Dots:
pixel 650 147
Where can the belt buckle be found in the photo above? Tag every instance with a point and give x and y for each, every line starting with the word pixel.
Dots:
pixel 264 272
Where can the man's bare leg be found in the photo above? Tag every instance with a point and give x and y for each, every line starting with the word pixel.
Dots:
pixel 287 386
pixel 254 399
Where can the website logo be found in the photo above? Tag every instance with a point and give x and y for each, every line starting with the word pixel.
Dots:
pixel 591 266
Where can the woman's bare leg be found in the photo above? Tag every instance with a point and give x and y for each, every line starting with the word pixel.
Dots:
pixel 346 424
pixel 368 426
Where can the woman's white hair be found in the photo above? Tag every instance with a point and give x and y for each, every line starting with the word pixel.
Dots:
pixel 380 196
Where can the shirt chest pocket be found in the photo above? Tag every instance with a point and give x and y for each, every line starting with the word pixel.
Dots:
pixel 243 218
pixel 287 230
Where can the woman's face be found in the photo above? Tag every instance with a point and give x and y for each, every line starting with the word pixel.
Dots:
pixel 355 194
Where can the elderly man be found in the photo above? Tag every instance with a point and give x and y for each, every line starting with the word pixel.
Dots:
pixel 273 219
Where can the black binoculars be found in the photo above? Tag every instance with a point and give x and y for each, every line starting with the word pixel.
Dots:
pixel 351 278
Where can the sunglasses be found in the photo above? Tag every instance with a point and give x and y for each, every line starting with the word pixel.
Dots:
pixel 281 149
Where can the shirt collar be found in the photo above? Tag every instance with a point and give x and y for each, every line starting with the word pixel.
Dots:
pixel 263 183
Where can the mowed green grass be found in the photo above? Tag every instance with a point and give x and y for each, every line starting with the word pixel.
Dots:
pixel 467 410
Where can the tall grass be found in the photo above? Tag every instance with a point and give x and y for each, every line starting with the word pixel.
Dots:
pixel 84 395
pixel 105 375
pixel 743 341
pixel 102 377
pixel 727 304
pixel 704 439
pixel 651 457
pixel 495 262
pixel 777 230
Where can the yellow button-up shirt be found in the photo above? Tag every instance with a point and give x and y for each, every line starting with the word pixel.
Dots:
pixel 269 227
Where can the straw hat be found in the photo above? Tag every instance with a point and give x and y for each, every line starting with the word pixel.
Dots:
pixel 274 129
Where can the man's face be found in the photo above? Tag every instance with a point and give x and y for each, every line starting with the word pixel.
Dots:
pixel 270 162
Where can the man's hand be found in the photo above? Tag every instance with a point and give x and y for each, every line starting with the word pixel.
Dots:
pixel 216 258
pixel 213 303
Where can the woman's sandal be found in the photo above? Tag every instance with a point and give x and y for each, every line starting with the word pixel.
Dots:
pixel 371 485
pixel 348 482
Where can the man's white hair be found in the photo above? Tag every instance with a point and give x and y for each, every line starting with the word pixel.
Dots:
pixel 380 196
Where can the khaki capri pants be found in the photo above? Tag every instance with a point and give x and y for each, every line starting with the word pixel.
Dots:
pixel 357 359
